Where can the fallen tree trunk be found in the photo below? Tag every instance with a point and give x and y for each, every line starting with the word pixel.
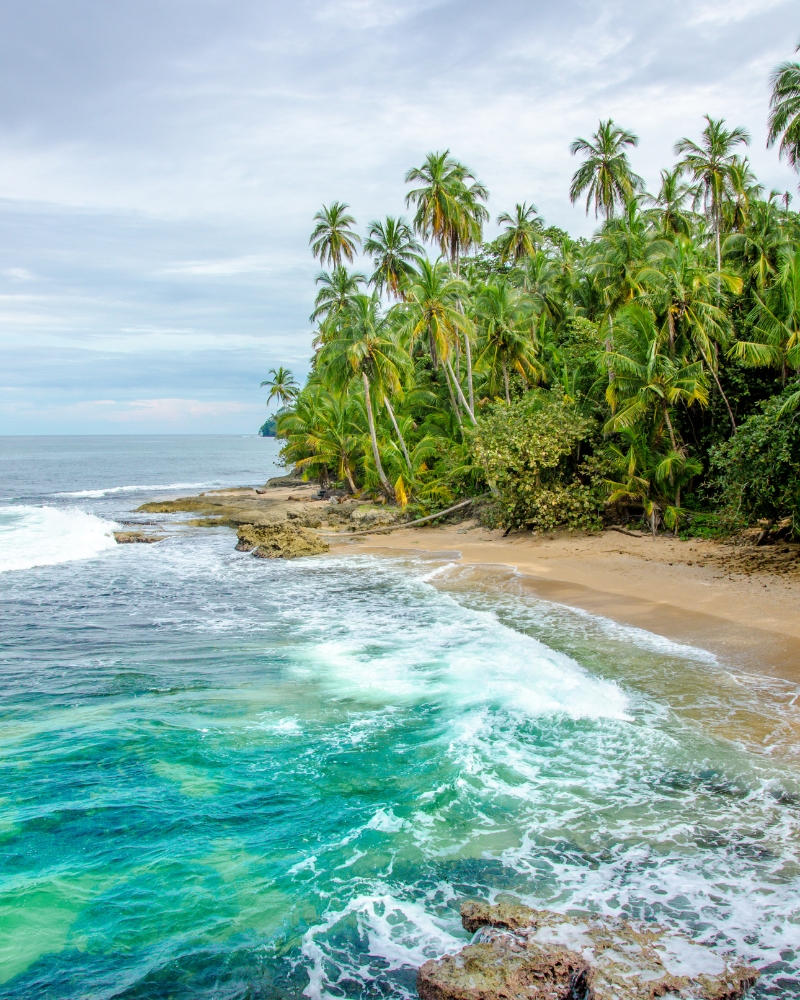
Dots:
pixel 404 524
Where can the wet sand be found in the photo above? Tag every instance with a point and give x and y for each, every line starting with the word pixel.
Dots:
pixel 684 591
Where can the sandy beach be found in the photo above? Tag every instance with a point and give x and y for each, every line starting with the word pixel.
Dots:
pixel 698 592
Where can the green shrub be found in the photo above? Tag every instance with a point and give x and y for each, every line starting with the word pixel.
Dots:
pixel 758 470
pixel 530 453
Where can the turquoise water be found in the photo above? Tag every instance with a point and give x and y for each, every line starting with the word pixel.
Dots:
pixel 228 777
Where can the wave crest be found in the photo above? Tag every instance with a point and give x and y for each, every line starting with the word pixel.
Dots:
pixel 47 536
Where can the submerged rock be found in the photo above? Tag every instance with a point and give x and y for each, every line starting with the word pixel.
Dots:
pixel 286 540
pixel 523 954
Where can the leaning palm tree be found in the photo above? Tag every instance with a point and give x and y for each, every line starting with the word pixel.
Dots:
pixel 364 349
pixel 333 236
pixel 605 175
pixel 523 233
pixel 784 115
pixel 394 250
pixel 282 386
pixel 433 313
pixel 710 164
pixel 321 433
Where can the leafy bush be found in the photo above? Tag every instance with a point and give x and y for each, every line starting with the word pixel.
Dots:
pixel 758 470
pixel 530 453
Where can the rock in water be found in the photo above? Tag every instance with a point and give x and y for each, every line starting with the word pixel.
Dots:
pixel 133 537
pixel 284 540
pixel 523 954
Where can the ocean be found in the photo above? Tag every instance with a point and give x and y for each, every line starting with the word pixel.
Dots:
pixel 228 777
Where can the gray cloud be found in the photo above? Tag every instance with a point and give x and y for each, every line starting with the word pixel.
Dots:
pixel 160 161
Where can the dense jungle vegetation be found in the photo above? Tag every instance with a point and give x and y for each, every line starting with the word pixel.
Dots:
pixel 650 373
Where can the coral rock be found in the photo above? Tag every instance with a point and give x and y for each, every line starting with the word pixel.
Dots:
pixel 519 953
pixel 279 541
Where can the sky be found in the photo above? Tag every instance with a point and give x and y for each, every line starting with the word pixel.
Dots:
pixel 161 161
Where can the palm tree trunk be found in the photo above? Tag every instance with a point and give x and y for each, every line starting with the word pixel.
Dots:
pixel 461 395
pixel 348 475
pixel 665 408
pixel 453 403
pixel 374 439
pixel 397 432
pixel 677 507
pixel 713 371
pixel 468 352
pixel 505 383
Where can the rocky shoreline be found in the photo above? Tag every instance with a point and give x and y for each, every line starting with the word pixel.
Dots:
pixel 280 521
pixel 518 953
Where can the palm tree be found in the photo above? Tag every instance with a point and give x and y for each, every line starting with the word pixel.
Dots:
pixel 784 116
pixel 393 248
pixel 606 175
pixel 755 250
pixel 448 202
pixel 615 262
pixel 670 204
pixel 282 386
pixel 710 164
pixel 646 381
pixel 337 289
pixel 437 198
pixel 321 433
pixel 364 348
pixel 745 192
pixel 522 235
pixel 433 311
pixel 449 212
pixel 776 315
pixel 333 237
pixel 504 326
pixel 682 289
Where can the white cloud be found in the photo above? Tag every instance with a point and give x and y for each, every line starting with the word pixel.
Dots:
pixel 723 12
pixel 158 187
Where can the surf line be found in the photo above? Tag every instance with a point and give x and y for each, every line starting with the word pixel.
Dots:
pixel 404 524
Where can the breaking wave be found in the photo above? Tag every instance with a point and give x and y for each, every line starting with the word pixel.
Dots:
pixel 47 536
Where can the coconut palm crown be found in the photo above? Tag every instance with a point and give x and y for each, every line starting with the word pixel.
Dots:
pixel 605 175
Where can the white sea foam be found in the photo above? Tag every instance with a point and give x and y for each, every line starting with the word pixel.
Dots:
pixel 398 934
pixel 109 490
pixel 46 536
pixel 468 660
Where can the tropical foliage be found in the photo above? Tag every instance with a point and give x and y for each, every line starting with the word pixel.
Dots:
pixel 649 373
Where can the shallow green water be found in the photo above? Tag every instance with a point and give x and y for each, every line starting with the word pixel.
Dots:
pixel 226 777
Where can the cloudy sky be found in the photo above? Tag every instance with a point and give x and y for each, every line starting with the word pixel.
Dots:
pixel 160 161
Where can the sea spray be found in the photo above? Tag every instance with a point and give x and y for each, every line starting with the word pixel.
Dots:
pixel 47 536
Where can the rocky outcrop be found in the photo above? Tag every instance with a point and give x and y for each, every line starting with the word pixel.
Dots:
pixel 282 504
pixel 523 954
pixel 287 540
pixel 131 537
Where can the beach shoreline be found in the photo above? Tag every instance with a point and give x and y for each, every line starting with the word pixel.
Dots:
pixel 682 590
pixel 739 602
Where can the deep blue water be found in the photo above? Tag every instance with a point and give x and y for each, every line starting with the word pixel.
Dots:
pixel 229 777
